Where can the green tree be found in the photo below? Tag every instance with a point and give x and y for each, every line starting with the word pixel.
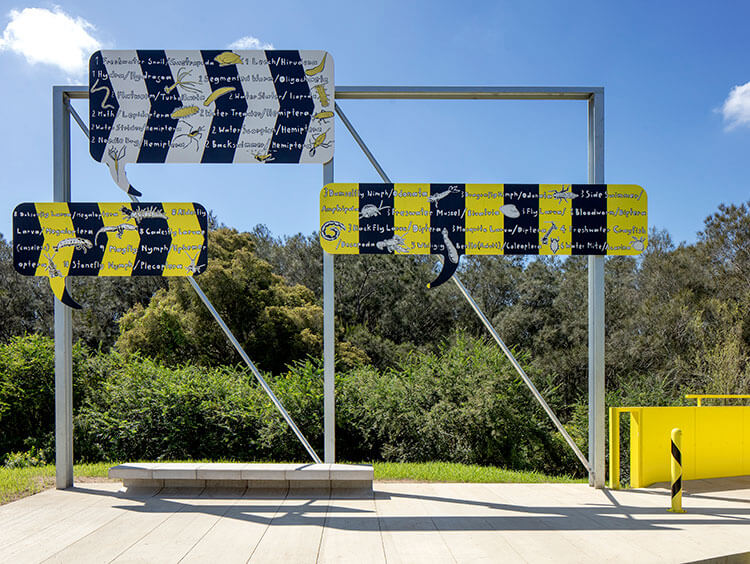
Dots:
pixel 298 258
pixel 27 391
pixel 274 322
pixel 104 302
pixel 25 301
pixel 383 305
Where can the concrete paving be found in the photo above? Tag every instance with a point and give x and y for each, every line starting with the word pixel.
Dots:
pixel 398 522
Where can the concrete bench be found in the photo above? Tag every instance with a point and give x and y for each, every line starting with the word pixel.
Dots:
pixel 243 475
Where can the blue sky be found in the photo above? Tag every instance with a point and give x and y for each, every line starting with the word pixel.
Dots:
pixel 676 78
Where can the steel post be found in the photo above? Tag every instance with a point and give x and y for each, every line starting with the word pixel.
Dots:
pixel 329 340
pixel 596 304
pixel 63 314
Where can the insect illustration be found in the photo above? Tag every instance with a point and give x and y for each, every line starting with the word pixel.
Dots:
pixel 188 85
pixel 638 243
pixel 550 230
pixel 192 135
pixel 396 243
pixel 316 69
pixel 371 210
pixel 217 93
pixel 321 90
pixel 510 210
pixel 184 111
pixel 140 214
pixel 331 230
pixel 57 283
pixel 435 198
pixel 192 268
pixel 264 158
pixel 450 247
pixel 564 195
pixel 116 157
pixel 115 165
pixel 119 229
pixel 324 115
pixel 319 141
pixel 554 245
pixel 77 242
pixel 96 88
pixel 228 58
pixel 51 267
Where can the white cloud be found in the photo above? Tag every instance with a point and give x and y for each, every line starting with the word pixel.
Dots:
pixel 50 37
pixel 736 108
pixel 249 42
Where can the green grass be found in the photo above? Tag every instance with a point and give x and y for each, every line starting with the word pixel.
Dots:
pixel 454 472
pixel 16 483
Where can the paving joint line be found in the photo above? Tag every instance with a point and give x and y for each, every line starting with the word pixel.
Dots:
pixel 84 507
pixel 117 516
pixel 325 522
pixel 159 524
pixel 234 502
pixel 380 525
pixel 268 525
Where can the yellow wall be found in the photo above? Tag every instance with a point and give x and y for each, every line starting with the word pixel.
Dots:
pixel 715 442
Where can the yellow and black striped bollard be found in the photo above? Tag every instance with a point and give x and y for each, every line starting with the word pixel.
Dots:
pixel 676 471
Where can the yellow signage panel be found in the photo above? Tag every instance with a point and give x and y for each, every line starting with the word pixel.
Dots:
pixel 61 239
pixel 483 219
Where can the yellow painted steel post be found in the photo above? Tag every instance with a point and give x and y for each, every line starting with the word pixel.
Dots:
pixel 676 458
pixel 614 448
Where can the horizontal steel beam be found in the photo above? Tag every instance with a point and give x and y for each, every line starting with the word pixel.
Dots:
pixel 467 92
pixel 78 92
pixel 437 92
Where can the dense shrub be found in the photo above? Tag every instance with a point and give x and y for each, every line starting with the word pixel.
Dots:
pixel 27 391
pixel 148 411
pixel 463 403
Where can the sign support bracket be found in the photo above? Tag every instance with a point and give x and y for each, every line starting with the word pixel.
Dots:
pixel 238 347
pixel 62 110
pixel 594 96
pixel 526 380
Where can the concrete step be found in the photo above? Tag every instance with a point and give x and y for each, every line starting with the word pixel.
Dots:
pixel 243 475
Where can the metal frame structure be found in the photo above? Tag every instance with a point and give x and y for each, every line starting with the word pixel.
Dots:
pixel 62 110
pixel 594 96
pixel 63 315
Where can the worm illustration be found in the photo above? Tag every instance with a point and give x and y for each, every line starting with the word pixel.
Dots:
pixel 331 230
